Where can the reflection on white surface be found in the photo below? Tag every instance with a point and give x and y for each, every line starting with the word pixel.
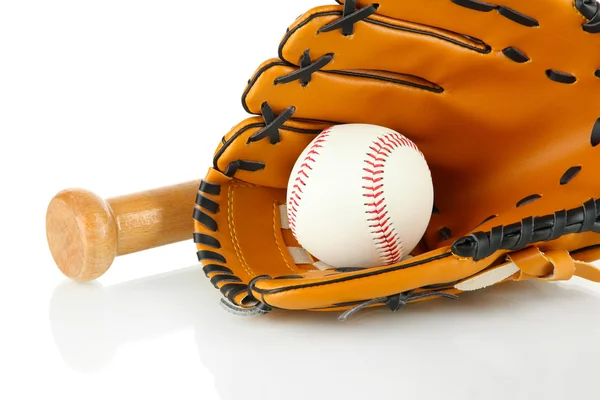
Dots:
pixel 524 340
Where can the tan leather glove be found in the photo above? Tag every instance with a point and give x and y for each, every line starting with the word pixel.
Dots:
pixel 502 98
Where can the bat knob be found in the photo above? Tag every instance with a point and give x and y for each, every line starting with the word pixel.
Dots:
pixel 82 234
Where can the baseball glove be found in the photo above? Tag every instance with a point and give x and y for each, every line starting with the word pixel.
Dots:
pixel 503 99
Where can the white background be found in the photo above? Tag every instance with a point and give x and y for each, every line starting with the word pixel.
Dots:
pixel 122 96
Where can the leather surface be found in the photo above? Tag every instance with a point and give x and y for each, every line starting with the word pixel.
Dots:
pixel 494 132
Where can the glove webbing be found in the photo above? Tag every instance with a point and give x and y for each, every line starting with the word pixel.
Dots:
pixel 530 230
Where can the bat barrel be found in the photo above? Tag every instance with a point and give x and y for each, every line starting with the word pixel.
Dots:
pixel 85 233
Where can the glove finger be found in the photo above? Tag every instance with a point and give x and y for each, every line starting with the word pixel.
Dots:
pixel 420 108
pixel 264 166
pixel 475 15
pixel 497 55
pixel 326 97
pixel 417 50
pixel 444 14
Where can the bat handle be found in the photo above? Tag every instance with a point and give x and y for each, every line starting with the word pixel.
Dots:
pixel 85 233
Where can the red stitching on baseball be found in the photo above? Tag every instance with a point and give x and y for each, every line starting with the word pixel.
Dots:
pixel 375 157
pixel 385 236
pixel 405 141
pixel 381 214
pixel 376 204
pixel 373 187
pixel 373 195
pixel 303 172
pixel 373 171
pixel 305 167
pixel 387 240
pixel 380 150
pixel 371 179
pixel 372 164
pixel 397 142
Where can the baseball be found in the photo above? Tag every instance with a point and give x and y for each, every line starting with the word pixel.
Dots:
pixel 360 196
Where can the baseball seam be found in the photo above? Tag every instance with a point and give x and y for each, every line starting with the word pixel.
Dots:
pixel 385 236
pixel 302 176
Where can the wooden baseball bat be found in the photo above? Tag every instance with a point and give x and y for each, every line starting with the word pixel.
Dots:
pixel 85 233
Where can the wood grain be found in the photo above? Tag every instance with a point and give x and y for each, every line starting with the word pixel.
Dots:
pixel 85 233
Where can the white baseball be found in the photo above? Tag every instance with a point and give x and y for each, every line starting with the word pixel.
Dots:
pixel 360 196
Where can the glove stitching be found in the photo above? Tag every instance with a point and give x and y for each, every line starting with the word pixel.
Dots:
pixel 221 277
pixel 275 213
pixel 506 12
pixel 233 233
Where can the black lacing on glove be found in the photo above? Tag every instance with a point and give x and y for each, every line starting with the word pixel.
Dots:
pixel 271 130
pixel 395 302
pixel 307 68
pixel 591 10
pixel 272 123
pixel 351 16
pixel 258 308
pixel 530 230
